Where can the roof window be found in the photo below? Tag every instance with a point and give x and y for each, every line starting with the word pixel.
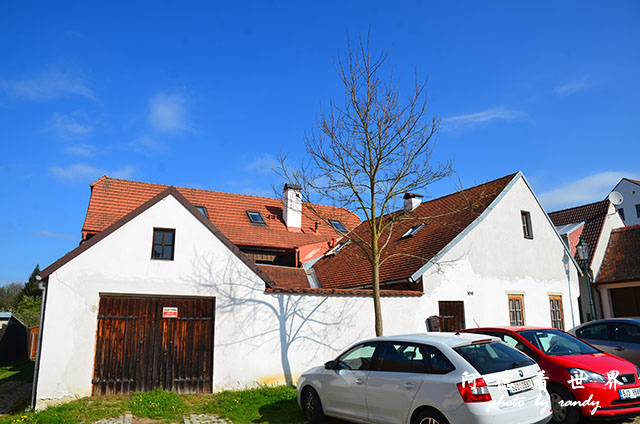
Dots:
pixel 337 225
pixel 256 218
pixel 202 210
pixel 411 232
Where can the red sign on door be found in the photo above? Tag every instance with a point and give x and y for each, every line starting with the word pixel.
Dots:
pixel 169 312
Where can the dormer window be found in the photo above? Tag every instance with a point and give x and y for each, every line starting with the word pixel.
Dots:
pixel 337 225
pixel 202 210
pixel 256 218
pixel 163 243
pixel 412 231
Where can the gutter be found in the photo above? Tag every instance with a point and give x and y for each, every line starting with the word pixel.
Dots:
pixel 42 285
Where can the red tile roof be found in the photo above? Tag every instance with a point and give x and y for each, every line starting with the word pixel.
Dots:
pixel 112 198
pixel 346 292
pixel 621 260
pixel 443 220
pixel 286 277
pixel 593 214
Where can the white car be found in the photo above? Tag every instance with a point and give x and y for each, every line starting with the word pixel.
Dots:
pixel 433 378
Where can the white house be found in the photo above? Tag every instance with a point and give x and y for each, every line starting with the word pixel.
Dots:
pixel 629 209
pixel 159 296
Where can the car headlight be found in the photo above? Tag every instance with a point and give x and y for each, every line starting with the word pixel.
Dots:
pixel 586 376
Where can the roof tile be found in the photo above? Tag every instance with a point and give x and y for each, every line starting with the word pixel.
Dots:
pixel 621 260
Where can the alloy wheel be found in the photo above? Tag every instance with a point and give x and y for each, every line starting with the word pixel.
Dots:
pixel 559 411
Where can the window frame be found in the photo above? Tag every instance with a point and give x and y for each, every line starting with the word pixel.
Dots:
pixel 262 222
pixel 556 298
pixel 202 210
pixel 412 231
pixel 621 213
pixel 335 223
pixel 638 210
pixel 163 245
pixel 520 298
pixel 527 227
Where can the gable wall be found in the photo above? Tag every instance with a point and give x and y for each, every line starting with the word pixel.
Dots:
pixel 495 259
pixel 256 334
pixel 631 197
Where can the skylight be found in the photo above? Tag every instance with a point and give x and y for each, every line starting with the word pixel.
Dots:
pixel 256 218
pixel 338 225
pixel 202 210
pixel 412 231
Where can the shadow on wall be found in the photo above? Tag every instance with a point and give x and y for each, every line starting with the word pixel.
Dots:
pixel 261 318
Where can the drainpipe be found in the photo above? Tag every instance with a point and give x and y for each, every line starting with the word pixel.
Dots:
pixel 42 285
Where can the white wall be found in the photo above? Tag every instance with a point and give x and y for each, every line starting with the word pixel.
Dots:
pixel 631 195
pixel 494 260
pixel 248 331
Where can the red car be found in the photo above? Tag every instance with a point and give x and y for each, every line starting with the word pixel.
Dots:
pixel 581 378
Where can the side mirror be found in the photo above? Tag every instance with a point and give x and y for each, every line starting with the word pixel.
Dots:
pixel 329 365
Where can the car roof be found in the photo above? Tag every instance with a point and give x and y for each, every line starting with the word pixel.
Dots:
pixel 635 320
pixel 436 338
pixel 509 329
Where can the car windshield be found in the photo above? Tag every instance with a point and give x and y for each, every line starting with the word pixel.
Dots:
pixel 488 358
pixel 557 343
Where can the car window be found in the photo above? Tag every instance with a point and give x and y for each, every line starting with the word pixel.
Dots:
pixel 556 343
pixel 626 333
pixel 593 332
pixel 412 357
pixel 358 358
pixel 488 358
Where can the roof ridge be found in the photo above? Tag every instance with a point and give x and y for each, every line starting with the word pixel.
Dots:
pixel 455 193
pixel 580 206
pixel 627 228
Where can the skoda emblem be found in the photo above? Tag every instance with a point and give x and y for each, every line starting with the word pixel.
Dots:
pixel 521 373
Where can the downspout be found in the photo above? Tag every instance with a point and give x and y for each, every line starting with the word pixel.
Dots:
pixel 42 285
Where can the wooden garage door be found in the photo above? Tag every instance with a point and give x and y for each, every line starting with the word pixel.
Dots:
pixel 625 301
pixel 144 343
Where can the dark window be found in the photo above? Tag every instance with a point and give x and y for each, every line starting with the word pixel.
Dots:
pixel 593 332
pixel 621 212
pixel 358 358
pixel 557 343
pixel 256 218
pixel 411 357
pixel 526 224
pixel 412 230
pixel 626 333
pixel 338 225
pixel 557 317
pixel 202 210
pixel 163 243
pixel 516 309
pixel 638 211
pixel 488 358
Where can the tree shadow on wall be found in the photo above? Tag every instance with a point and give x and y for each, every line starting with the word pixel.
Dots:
pixel 260 318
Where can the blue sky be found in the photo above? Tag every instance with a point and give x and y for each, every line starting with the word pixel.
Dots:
pixel 207 94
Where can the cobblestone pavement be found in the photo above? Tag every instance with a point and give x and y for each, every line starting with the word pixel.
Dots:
pixel 12 393
pixel 191 419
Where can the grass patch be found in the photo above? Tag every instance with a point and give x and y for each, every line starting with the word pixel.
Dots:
pixel 18 371
pixel 265 405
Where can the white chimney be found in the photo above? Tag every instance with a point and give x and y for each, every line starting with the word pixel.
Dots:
pixel 411 201
pixel 292 208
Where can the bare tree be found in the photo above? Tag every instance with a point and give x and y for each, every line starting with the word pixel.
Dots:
pixel 367 151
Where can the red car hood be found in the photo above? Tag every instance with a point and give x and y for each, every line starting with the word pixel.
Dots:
pixel 602 363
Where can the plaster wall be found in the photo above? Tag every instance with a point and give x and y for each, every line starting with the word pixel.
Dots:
pixel 495 260
pixel 631 197
pixel 259 337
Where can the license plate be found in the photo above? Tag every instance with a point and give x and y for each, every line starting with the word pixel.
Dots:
pixel 630 393
pixel 520 386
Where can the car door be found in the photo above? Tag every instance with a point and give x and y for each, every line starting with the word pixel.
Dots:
pixel 344 393
pixel 395 378
pixel 626 341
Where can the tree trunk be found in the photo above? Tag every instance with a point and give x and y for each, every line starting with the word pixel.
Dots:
pixel 377 309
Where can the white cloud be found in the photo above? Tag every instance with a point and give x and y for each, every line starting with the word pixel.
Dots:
pixel 585 190
pixel 83 172
pixel 167 112
pixel 571 87
pixel 54 235
pixel 147 145
pixel 263 165
pixel 84 150
pixel 71 125
pixel 47 86
pixel 472 119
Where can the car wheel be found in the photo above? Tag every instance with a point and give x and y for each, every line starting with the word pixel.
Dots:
pixel 562 413
pixel 311 406
pixel 429 416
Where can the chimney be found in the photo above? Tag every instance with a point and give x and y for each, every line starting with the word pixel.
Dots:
pixel 292 207
pixel 411 201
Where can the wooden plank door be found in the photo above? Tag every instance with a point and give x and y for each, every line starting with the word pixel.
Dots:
pixel 141 347
pixel 451 315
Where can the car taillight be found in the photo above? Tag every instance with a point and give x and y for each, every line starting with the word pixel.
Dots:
pixel 476 391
